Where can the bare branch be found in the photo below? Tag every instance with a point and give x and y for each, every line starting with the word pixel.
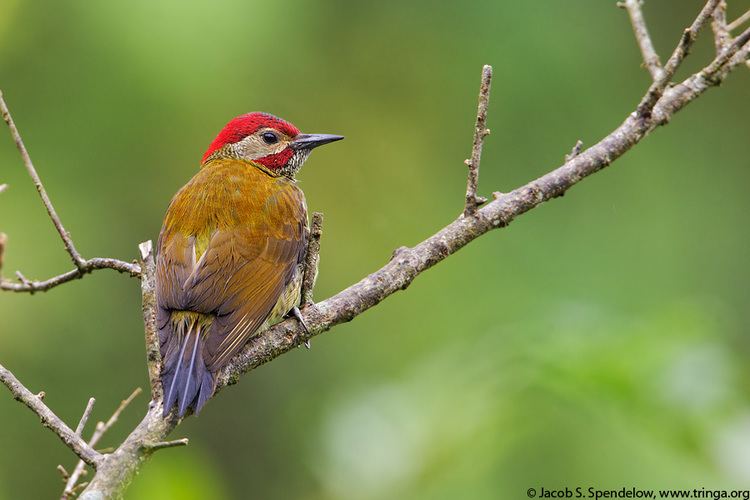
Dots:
pixel 577 148
pixel 650 58
pixel 64 473
pixel 739 21
pixel 148 303
pixel 89 266
pixel 67 241
pixel 719 26
pixel 673 63
pixel 732 55
pixel 480 132
pixel 165 444
pixel 85 416
pixel 312 259
pixel 82 266
pixel 3 242
pixel 101 428
pixel 34 403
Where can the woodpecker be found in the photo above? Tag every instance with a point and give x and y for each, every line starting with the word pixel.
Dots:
pixel 230 252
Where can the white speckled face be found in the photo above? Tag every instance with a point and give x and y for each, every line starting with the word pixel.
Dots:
pixel 262 143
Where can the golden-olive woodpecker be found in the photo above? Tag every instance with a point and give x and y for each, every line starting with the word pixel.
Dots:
pixel 230 253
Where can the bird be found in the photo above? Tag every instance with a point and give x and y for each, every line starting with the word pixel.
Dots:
pixel 230 253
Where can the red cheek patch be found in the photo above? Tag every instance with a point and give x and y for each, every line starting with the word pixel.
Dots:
pixel 276 160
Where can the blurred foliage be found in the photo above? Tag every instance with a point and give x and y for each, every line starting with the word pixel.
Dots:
pixel 600 340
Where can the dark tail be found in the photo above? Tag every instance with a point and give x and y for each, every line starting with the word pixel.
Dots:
pixel 185 379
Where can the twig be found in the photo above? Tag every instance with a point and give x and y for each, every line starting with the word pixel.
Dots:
pixel 673 63
pixel 49 419
pixel 575 151
pixel 67 241
pixel 64 473
pixel 160 445
pixel 148 305
pixel 101 428
pixel 719 26
pixel 90 265
pixel 312 259
pixel 480 132
pixel 739 21
pixel 739 47
pixel 85 416
pixel 3 242
pixel 650 58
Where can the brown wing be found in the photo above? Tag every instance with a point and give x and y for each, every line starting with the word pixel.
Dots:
pixel 253 247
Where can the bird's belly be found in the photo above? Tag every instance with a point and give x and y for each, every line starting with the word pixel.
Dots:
pixel 289 298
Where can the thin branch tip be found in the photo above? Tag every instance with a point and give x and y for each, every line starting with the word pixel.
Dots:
pixel 739 21
pixel 160 445
pixel 85 416
pixel 651 59
pixel 577 148
pixel 472 200
pixel 145 248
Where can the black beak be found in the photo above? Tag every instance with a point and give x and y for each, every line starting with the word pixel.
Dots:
pixel 309 141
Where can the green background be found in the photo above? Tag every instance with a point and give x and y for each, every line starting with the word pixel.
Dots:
pixel 601 340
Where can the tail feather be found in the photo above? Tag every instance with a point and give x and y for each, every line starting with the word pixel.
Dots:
pixel 186 381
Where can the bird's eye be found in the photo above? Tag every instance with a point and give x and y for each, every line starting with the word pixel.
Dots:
pixel 270 138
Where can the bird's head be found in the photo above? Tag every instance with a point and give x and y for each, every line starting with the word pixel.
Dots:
pixel 266 140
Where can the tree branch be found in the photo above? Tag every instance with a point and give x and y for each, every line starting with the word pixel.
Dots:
pixel 719 26
pixel 89 266
pixel 739 21
pixel 85 416
pixel 101 428
pixel 312 259
pixel 148 302
pixel 82 266
pixel 480 132
pixel 34 403
pixel 650 58
pixel 64 235
pixel 675 60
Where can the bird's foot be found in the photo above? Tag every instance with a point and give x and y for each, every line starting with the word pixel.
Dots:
pixel 298 316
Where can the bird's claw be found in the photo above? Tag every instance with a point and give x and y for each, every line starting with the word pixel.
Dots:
pixel 298 316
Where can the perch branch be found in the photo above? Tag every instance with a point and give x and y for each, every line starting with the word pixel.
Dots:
pixel 650 58
pixel 480 132
pixel 719 26
pixel 312 259
pixel 34 403
pixel 148 302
